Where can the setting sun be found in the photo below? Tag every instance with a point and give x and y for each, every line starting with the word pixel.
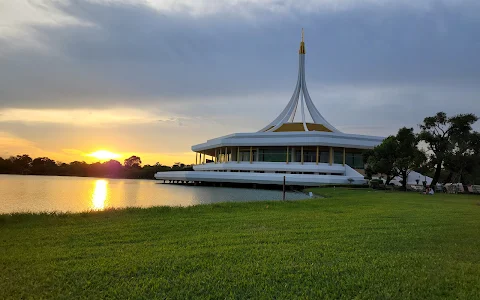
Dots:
pixel 104 155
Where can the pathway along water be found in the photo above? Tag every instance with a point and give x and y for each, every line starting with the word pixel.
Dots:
pixel 75 194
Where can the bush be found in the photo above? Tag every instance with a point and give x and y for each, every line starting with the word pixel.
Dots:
pixel 376 184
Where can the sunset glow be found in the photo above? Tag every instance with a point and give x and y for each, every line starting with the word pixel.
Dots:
pixel 104 155
pixel 99 194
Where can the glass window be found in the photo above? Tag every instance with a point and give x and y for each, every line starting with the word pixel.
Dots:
pixel 298 155
pixel 325 157
pixel 273 155
pixel 338 157
pixel 358 161
pixel 244 155
pixel 355 160
pixel 310 156
pixel 349 159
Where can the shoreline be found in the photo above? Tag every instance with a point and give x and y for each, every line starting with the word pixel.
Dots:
pixel 156 207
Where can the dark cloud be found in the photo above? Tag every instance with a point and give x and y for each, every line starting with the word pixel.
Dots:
pixel 135 55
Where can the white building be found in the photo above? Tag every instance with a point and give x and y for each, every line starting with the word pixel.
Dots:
pixel 305 153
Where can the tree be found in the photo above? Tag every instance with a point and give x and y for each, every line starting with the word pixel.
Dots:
pixel 43 166
pixel 440 133
pixel 95 170
pixel 133 162
pixel 407 156
pixel 464 159
pixel 78 168
pixel 396 156
pixel 21 163
pixel 113 168
pixel 178 165
pixel 381 159
pixel 6 166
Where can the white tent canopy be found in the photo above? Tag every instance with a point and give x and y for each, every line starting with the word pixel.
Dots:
pixel 412 179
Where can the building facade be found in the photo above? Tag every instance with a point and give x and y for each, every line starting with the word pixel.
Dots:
pixel 301 153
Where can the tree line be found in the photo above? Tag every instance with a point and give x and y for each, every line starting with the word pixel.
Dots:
pixel 446 149
pixel 131 167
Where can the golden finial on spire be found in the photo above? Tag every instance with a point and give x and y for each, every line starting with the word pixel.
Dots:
pixel 302 45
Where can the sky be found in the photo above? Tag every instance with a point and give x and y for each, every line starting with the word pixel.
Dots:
pixel 152 78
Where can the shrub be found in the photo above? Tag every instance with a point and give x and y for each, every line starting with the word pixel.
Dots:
pixel 376 184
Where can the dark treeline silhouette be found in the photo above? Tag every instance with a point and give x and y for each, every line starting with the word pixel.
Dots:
pixel 131 167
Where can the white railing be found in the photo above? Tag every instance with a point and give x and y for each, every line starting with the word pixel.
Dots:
pixel 275 166
pixel 258 178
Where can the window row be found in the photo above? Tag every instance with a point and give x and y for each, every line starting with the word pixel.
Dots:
pixel 354 160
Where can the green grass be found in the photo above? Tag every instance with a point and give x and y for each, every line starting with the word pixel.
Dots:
pixel 353 244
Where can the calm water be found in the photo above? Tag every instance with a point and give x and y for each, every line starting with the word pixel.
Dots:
pixel 75 194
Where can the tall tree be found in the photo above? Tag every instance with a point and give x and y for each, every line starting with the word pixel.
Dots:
pixel 133 161
pixel 21 163
pixel 464 159
pixel 6 166
pixel 440 133
pixel 397 155
pixel 381 159
pixel 407 155
pixel 77 168
pixel 113 168
pixel 43 166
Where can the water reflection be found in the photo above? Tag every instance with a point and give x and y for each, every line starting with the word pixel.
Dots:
pixel 20 193
pixel 99 195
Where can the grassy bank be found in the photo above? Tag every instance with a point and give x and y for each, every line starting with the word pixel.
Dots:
pixel 356 243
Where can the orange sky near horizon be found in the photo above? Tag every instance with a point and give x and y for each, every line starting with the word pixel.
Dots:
pixel 11 145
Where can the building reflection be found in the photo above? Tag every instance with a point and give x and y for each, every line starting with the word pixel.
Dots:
pixel 99 195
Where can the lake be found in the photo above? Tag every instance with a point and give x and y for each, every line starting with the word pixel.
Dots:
pixel 75 194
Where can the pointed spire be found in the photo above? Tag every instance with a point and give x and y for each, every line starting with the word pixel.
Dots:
pixel 284 121
pixel 302 45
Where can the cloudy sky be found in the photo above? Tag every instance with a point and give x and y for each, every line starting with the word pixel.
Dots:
pixel 153 77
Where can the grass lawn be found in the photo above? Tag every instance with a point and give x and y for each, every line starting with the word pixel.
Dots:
pixel 353 244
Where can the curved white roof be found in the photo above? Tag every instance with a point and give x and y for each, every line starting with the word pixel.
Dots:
pixel 297 138
pixel 283 132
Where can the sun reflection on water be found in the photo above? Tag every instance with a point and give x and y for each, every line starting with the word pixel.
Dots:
pixel 99 195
